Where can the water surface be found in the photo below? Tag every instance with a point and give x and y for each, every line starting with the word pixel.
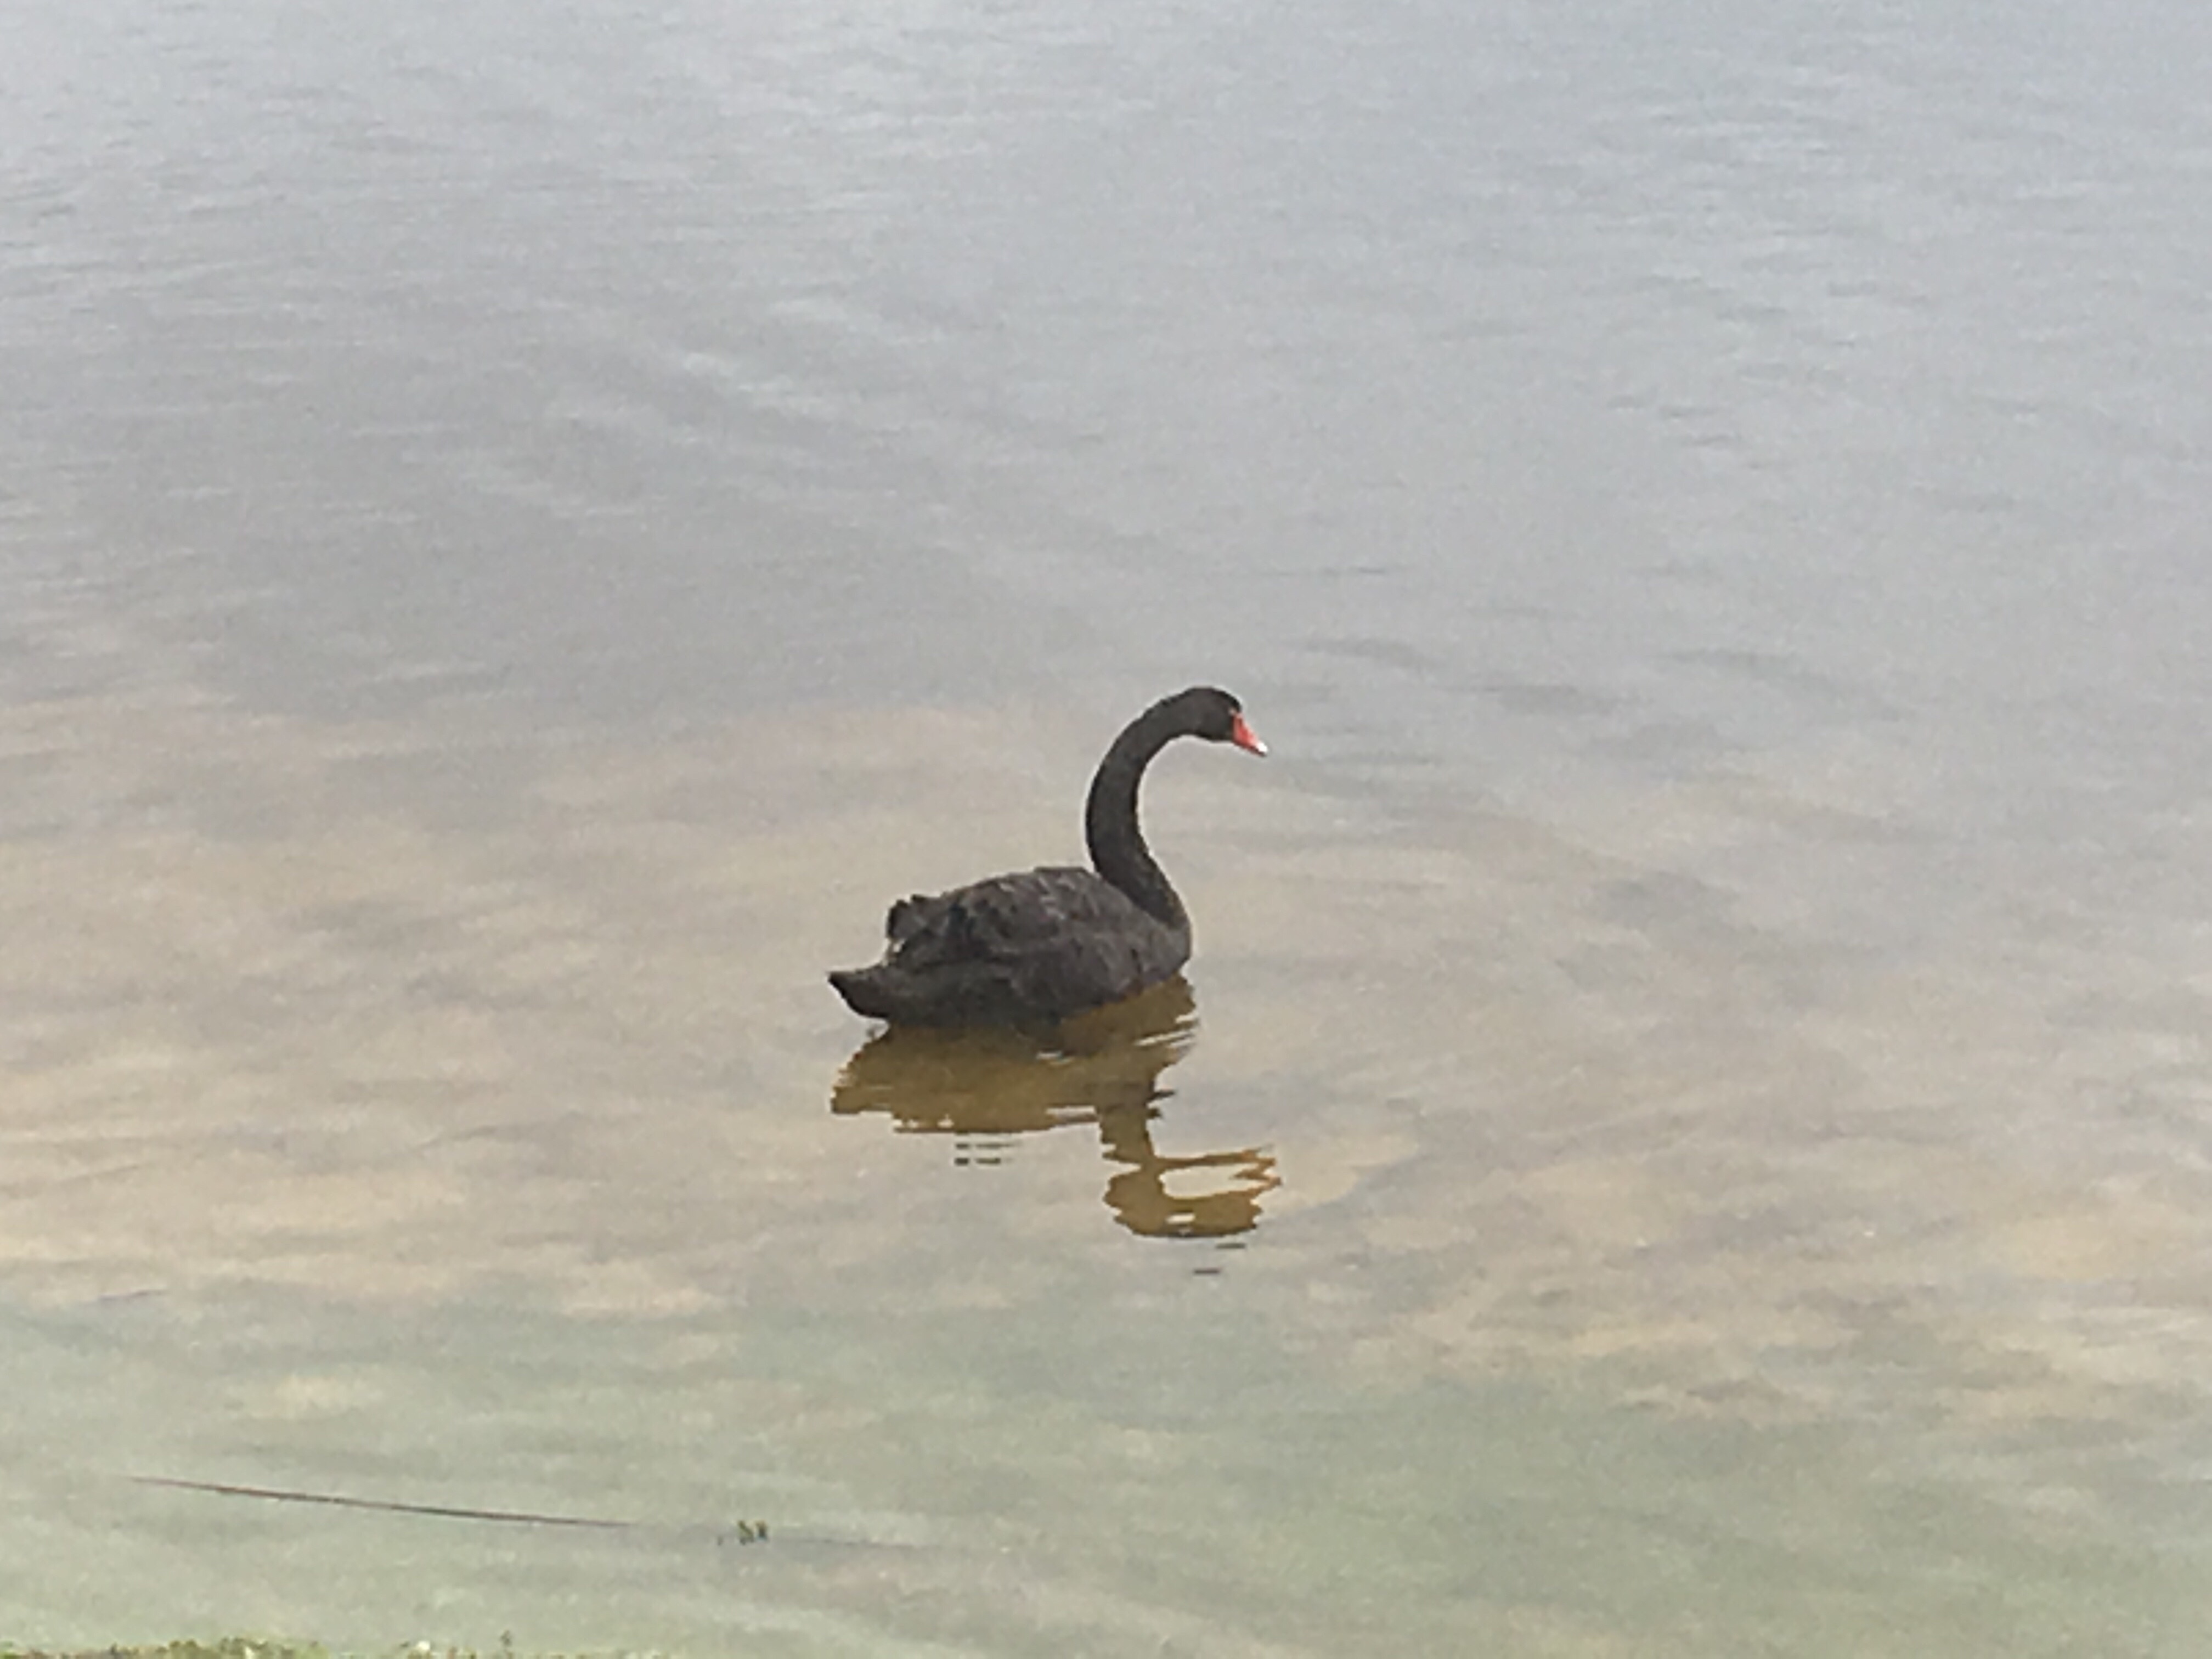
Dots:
pixel 1687 1128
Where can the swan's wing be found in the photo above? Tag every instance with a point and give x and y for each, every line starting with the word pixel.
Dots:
pixel 1008 918
pixel 1044 908
pixel 913 914
pixel 1057 937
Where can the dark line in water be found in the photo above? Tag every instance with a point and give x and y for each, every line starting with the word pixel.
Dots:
pixel 279 1495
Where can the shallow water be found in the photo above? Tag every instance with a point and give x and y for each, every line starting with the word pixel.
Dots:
pixel 1686 1129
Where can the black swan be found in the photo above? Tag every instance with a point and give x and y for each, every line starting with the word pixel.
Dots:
pixel 1040 945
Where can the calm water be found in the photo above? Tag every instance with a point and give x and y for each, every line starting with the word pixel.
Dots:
pixel 1690 1128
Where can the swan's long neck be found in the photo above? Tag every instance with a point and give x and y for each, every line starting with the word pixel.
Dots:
pixel 1110 816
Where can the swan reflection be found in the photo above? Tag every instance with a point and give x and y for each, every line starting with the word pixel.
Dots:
pixel 1103 1068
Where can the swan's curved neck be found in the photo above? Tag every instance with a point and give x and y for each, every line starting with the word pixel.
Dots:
pixel 1109 818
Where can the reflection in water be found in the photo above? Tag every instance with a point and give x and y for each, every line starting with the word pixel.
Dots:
pixel 1104 1068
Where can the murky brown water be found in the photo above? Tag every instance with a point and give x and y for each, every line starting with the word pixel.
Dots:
pixel 430 1115
pixel 1687 1130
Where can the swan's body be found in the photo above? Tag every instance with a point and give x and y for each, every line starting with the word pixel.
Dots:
pixel 1045 943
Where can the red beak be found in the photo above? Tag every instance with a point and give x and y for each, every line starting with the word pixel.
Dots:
pixel 1244 737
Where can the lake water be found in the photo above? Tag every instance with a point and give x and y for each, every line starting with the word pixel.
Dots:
pixel 1689 1130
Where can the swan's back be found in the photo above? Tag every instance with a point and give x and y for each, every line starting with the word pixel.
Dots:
pixel 1035 946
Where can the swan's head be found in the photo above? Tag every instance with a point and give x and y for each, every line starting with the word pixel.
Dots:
pixel 1208 711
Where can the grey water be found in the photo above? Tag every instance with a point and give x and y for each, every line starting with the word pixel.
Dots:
pixel 1689 1129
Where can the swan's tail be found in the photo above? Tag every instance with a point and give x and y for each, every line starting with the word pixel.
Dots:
pixel 959 993
pixel 865 992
